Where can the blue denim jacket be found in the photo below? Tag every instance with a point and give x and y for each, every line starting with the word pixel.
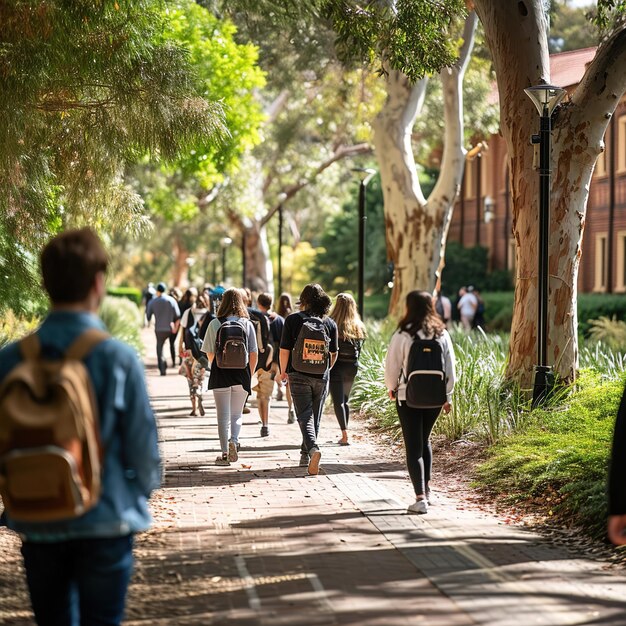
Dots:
pixel 131 468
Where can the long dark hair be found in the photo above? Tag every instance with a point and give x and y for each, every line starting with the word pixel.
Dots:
pixel 421 315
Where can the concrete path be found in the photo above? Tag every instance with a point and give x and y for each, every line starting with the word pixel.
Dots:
pixel 260 543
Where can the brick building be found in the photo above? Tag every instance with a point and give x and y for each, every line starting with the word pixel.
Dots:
pixel 482 215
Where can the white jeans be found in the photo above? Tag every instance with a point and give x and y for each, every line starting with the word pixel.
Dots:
pixel 229 403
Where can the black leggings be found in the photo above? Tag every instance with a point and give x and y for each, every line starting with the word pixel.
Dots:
pixel 341 380
pixel 417 425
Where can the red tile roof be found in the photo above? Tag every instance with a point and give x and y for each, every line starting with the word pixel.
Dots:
pixel 567 68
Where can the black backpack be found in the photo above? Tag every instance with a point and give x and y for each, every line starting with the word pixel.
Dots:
pixel 311 351
pixel 425 377
pixel 231 345
pixel 193 341
pixel 349 350
pixel 262 328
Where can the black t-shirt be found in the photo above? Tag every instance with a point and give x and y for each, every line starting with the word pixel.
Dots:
pixel 292 327
pixel 277 322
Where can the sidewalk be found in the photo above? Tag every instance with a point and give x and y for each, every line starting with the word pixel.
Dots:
pixel 261 543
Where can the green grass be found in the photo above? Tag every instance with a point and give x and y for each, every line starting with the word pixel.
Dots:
pixel 563 451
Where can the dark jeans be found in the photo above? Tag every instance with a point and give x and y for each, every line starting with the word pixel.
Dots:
pixel 417 425
pixel 341 380
pixel 309 395
pixel 172 339
pixel 161 337
pixel 79 581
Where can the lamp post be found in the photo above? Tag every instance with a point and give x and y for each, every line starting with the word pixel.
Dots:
pixel 545 98
pixel 281 199
pixel 224 242
pixel 365 175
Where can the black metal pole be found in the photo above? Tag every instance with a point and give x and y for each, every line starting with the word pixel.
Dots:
pixel 223 265
pixel 543 374
pixel 611 234
pixel 362 222
pixel 280 249
pixel 243 258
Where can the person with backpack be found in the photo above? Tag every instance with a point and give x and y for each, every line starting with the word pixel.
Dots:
pixel 284 308
pixel 76 498
pixel 231 348
pixel 261 323
pixel 351 332
pixel 268 362
pixel 194 362
pixel 420 376
pixel 308 350
pixel 616 522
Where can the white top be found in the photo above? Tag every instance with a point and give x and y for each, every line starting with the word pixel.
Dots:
pixel 397 358
pixel 468 304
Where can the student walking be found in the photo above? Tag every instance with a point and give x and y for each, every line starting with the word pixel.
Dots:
pixel 231 348
pixel 284 308
pixel 421 335
pixel 308 349
pixel 166 315
pixel 78 565
pixel 194 362
pixel 351 333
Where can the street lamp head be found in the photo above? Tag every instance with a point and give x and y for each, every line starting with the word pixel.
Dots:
pixel 225 242
pixel 488 204
pixel 364 173
pixel 545 98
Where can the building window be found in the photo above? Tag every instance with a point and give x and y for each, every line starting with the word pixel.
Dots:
pixel 600 169
pixel 470 175
pixel 620 282
pixel 510 262
pixel 621 143
pixel 600 267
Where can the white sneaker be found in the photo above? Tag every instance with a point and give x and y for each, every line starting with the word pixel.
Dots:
pixel 419 506
pixel 232 451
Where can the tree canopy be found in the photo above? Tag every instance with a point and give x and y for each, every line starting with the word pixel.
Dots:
pixel 84 87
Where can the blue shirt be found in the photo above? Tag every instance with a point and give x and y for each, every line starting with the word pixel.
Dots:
pixel 131 466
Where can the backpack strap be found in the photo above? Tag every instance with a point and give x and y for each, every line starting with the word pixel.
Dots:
pixel 30 347
pixel 83 345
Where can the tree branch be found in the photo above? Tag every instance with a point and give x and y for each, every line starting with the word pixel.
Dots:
pixel 342 152
pixel 604 82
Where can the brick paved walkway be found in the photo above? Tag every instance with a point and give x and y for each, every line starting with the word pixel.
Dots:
pixel 260 543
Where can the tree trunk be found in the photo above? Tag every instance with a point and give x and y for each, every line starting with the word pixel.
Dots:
pixel 416 229
pixel 517 37
pixel 180 268
pixel 259 271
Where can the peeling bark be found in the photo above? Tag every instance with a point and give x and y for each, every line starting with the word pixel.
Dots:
pixel 416 229
pixel 517 37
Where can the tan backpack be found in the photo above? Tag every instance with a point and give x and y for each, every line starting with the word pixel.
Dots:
pixel 50 452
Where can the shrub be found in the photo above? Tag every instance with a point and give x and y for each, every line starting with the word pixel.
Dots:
pixel 561 456
pixel 131 293
pixel 592 306
pixel 611 332
pixel 13 327
pixel 123 320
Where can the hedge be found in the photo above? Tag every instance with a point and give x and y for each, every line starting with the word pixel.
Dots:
pixel 132 293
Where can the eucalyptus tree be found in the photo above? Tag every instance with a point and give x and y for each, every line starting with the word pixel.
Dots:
pixel 517 35
pixel 85 86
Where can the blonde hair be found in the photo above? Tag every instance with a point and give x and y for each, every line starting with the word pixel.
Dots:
pixel 232 304
pixel 347 317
